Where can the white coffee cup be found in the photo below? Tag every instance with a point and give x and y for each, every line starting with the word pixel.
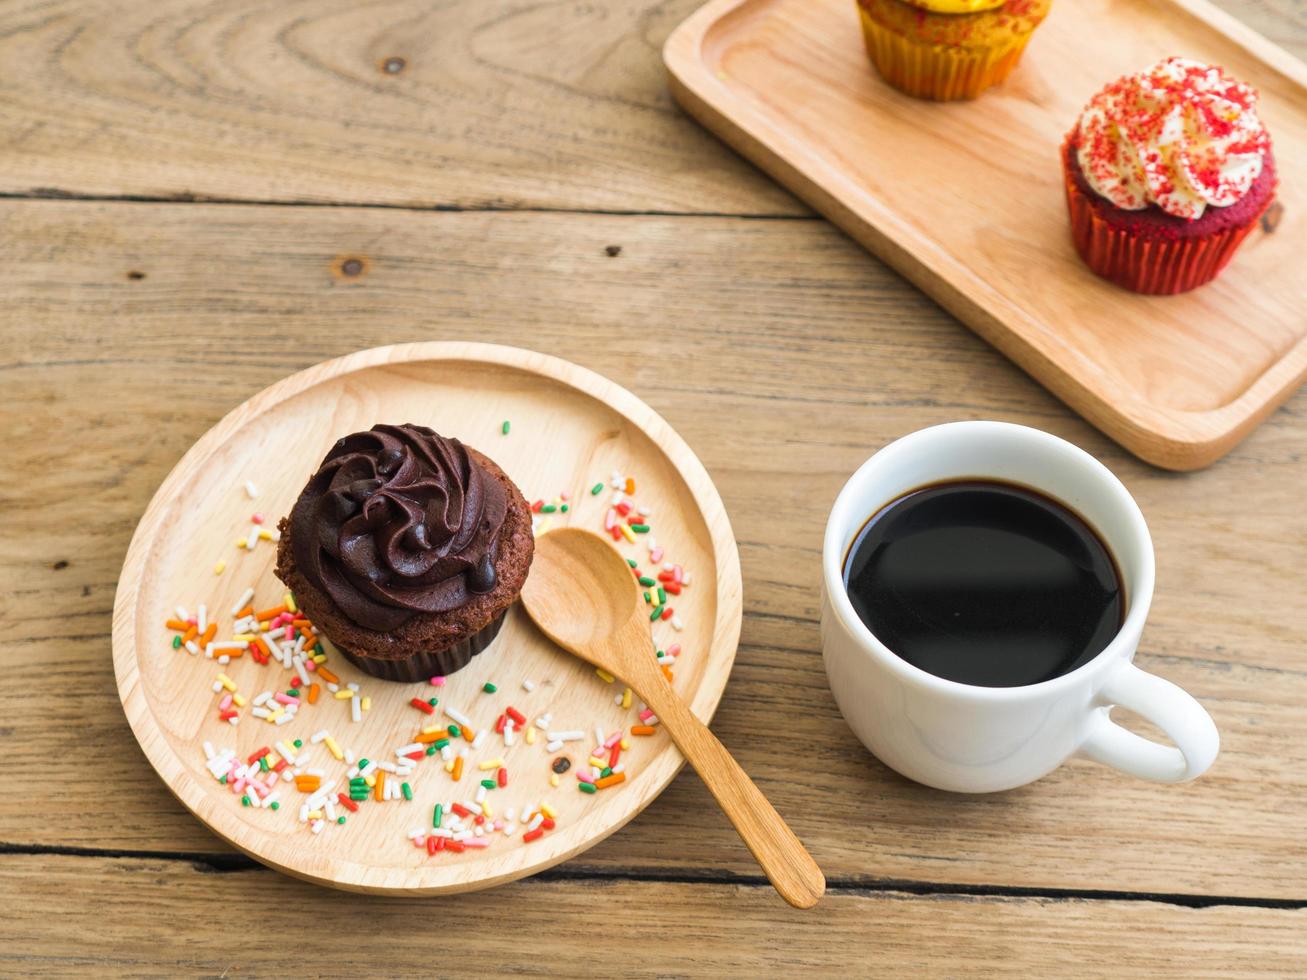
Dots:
pixel 982 739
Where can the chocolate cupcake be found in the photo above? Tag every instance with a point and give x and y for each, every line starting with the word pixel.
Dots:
pixel 406 549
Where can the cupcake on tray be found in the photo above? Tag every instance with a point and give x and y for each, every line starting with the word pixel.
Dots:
pixel 405 549
pixel 1166 172
pixel 948 49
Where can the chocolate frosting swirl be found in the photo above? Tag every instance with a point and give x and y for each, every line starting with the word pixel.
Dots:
pixel 398 521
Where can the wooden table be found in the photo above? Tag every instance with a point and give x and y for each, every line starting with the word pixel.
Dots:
pixel 201 197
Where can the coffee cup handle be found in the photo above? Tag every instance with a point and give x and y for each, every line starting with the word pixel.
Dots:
pixel 1170 708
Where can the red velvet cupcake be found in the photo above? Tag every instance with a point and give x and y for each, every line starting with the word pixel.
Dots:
pixel 1166 173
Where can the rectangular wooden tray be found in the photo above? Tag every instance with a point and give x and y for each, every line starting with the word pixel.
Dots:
pixel 966 201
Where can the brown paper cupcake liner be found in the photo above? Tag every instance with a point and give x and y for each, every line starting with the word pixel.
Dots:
pixel 1146 263
pixel 936 71
pixel 424 666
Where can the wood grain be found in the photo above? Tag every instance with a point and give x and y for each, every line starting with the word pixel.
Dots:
pixel 572 425
pixel 795 357
pixel 1176 379
pixel 170 918
pixel 127 331
pixel 581 596
pixel 554 104
pixel 467 103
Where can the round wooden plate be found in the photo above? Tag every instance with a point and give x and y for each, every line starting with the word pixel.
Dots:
pixel 570 429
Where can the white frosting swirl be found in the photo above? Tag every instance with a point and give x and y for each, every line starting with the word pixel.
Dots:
pixel 1181 135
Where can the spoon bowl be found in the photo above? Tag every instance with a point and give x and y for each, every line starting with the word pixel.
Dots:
pixel 581 593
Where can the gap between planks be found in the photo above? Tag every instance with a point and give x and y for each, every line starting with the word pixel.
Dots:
pixel 58 194
pixel 857 886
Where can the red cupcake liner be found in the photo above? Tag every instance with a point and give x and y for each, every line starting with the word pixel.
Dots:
pixel 1144 263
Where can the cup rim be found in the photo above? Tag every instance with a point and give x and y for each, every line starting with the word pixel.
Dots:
pixel 1137 605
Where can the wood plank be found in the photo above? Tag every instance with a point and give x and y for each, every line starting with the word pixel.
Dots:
pixel 165 918
pixel 794 360
pixel 1283 22
pixel 497 104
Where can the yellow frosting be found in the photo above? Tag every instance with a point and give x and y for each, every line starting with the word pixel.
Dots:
pixel 957 6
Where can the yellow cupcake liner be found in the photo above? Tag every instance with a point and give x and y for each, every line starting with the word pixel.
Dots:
pixel 936 71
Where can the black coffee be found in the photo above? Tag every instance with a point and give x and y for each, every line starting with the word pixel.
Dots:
pixel 985 583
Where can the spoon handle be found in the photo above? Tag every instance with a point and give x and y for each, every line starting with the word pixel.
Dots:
pixel 788 866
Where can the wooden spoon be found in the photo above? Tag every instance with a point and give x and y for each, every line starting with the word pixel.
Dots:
pixel 583 597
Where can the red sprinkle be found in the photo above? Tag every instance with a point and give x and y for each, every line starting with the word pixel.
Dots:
pixel 224 715
pixel 501 777
pixel 517 716
pixel 667 613
pixel 623 508
pixel 454 845
pixel 347 803
pixel 422 706
pixel 432 846
pixel 460 809
pixel 615 754
pixel 531 835
pixel 546 824
pixel 416 756
pixel 257 755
